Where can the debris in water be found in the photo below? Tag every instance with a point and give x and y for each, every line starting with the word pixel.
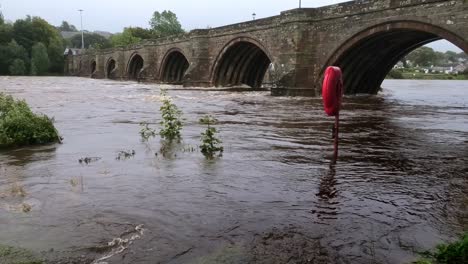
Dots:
pixel 122 155
pixel 17 190
pixel 26 208
pixel 88 160
pixel 119 244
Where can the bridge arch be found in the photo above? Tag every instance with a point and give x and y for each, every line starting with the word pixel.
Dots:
pixel 243 60
pixel 367 57
pixel 111 65
pixel 173 66
pixel 134 66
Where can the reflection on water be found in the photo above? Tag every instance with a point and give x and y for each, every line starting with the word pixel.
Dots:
pixel 399 186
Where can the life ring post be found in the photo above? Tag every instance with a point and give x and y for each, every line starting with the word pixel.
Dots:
pixel 336 136
pixel 332 94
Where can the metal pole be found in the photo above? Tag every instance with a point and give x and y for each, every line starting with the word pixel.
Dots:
pixel 82 34
pixel 300 3
pixel 337 125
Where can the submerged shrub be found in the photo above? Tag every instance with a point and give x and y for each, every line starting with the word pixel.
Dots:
pixel 453 253
pixel 210 144
pixel 146 132
pixel 171 123
pixel 19 126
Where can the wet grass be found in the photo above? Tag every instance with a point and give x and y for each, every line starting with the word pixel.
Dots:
pixel 19 126
pixel 14 255
pixel 452 253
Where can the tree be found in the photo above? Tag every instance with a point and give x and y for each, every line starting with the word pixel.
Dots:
pixel 6 33
pixel 39 59
pixel 10 52
pixel 23 32
pixel 423 56
pixel 139 32
pixel 451 56
pixel 18 67
pixel 91 40
pixel 67 27
pixel 123 39
pixel 31 30
pixel 55 53
pixel 165 24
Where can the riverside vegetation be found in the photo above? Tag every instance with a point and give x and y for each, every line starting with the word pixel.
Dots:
pixel 453 253
pixel 210 143
pixel 19 126
pixel 171 127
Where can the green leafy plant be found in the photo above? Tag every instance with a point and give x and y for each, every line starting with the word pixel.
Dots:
pixel 453 253
pixel 19 126
pixel 210 144
pixel 171 123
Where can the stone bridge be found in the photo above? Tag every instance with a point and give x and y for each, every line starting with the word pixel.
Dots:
pixel 289 52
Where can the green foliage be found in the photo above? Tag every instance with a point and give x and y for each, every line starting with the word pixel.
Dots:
pixel 123 39
pixel 14 255
pixel 92 40
pixel 395 74
pixel 9 53
pixel 39 59
pixel 210 144
pixel 19 126
pixel 171 123
pixel 18 67
pixel 141 33
pixel 55 54
pixel 146 132
pixel 6 33
pixel 65 26
pixel 453 253
pixel 165 24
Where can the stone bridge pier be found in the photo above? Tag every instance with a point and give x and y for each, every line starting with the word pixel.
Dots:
pixel 289 52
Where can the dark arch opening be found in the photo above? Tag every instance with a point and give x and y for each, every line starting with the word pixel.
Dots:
pixel 367 58
pixel 135 66
pixel 93 67
pixel 110 67
pixel 242 63
pixel 174 68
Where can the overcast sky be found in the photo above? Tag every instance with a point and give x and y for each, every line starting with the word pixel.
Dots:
pixel 114 15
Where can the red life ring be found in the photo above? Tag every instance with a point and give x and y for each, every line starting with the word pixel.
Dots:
pixel 332 90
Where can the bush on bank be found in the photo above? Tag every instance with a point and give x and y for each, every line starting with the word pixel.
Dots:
pixel 19 126
pixel 453 253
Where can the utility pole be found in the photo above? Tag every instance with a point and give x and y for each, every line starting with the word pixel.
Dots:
pixel 300 3
pixel 82 34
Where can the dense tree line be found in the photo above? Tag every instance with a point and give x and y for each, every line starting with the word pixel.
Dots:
pixel 161 25
pixel 30 46
pixel 426 57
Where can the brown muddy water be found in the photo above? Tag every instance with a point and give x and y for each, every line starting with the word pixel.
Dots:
pixel 400 185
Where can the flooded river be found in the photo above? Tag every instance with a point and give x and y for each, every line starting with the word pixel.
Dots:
pixel 400 185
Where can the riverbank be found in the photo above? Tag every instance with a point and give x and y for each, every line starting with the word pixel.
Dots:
pixel 414 75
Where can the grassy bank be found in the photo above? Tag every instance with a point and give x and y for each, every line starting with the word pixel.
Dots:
pixel 19 126
pixel 413 75
pixel 13 255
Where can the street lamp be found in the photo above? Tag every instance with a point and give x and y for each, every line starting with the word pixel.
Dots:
pixel 82 34
pixel 253 16
pixel 300 3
